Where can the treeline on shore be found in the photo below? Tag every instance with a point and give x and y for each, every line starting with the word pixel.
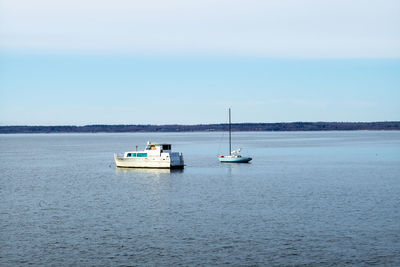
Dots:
pixel 291 126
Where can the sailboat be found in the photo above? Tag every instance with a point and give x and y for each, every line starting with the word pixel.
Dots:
pixel 234 156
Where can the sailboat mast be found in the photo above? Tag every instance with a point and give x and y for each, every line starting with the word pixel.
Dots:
pixel 230 148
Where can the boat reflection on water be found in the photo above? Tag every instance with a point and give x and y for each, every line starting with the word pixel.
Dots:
pixel 153 182
pixel 155 172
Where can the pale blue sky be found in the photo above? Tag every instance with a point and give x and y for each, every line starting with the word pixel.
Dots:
pixel 163 62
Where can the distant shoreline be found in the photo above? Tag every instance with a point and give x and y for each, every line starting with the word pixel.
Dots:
pixel 258 127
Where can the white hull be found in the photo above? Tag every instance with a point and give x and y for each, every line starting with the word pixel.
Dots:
pixel 235 159
pixel 150 162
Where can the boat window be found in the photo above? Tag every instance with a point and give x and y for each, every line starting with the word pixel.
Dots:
pixel 167 147
pixel 129 154
pixel 142 155
pixel 153 147
pixel 133 155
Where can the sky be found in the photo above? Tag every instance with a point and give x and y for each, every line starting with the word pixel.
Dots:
pixel 186 62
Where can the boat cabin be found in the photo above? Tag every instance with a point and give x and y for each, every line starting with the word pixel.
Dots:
pixel 151 150
pixel 161 147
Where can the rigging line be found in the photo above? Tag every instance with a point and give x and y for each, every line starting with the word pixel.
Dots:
pixel 223 135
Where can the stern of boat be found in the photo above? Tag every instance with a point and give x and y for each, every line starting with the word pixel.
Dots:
pixel 176 160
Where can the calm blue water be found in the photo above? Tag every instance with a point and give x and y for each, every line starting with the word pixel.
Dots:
pixel 307 198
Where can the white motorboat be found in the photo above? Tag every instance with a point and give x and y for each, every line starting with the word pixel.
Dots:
pixel 154 156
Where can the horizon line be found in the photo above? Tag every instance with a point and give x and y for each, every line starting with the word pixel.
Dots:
pixel 197 124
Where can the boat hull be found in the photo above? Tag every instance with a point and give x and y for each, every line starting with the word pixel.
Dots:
pixel 235 160
pixel 154 163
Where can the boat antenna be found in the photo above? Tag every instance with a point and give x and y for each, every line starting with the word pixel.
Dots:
pixel 230 149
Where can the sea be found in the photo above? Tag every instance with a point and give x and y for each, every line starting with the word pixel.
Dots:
pixel 306 199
